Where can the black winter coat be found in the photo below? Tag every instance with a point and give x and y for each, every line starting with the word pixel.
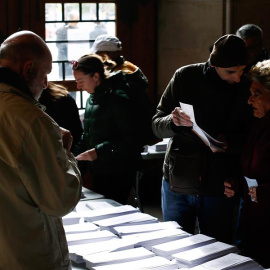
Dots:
pixel 109 128
pixel 220 109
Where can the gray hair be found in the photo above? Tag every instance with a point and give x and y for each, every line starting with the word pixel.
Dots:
pixel 261 73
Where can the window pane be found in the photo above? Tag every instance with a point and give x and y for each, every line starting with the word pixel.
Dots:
pixel 89 12
pixel 110 26
pixel 107 11
pixel 54 50
pixel 68 71
pixel 50 30
pixel 72 12
pixel 70 30
pixel 81 95
pixel 61 70
pixel 54 75
pixel 99 28
pixel 53 12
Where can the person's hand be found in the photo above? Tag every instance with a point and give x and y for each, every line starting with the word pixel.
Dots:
pixel 66 138
pixel 89 155
pixel 180 118
pixel 253 194
pixel 230 188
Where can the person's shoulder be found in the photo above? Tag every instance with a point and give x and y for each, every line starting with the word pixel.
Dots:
pixel 116 84
pixel 190 70
pixel 189 67
pixel 137 80
pixel 126 67
pixel 26 114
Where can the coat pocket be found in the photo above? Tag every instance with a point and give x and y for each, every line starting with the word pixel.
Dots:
pixel 184 172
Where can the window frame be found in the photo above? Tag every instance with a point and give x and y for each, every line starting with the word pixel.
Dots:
pixel 71 84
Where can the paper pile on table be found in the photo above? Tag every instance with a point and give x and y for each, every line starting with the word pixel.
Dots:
pixel 127 230
pixel 229 262
pixel 172 247
pixel 106 258
pixel 196 256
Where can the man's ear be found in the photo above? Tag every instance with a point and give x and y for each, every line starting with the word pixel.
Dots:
pixel 27 70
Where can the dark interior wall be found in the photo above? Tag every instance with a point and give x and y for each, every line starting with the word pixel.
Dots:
pixel 187 28
pixel 250 11
pixel 137 31
pixel 157 35
pixel 17 15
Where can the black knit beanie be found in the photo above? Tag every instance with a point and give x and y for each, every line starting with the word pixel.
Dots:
pixel 228 51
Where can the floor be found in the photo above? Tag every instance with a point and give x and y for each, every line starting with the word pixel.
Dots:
pixel 149 205
pixel 150 188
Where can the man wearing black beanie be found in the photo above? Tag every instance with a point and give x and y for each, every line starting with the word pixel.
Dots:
pixel 195 169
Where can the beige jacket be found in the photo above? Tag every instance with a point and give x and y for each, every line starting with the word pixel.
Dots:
pixel 39 183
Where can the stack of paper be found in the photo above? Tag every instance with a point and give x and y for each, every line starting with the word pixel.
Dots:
pixel 168 248
pixel 80 238
pixel 148 240
pixel 80 227
pixel 231 261
pixel 106 258
pixel 126 230
pixel 95 204
pixel 88 194
pixel 72 218
pixel 196 256
pixel 128 219
pixel 102 203
pixel 77 252
pixel 158 147
pixel 109 212
pixel 154 263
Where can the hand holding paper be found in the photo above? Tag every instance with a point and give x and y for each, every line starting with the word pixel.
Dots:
pixel 180 118
pixel 252 185
pixel 215 146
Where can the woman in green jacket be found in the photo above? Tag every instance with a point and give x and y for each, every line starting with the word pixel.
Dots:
pixel 109 140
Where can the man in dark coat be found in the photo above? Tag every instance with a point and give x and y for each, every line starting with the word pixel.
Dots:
pixel 194 173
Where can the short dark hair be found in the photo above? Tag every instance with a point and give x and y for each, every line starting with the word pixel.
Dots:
pixel 250 30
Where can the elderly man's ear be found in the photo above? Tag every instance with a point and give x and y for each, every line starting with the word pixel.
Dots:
pixel 27 70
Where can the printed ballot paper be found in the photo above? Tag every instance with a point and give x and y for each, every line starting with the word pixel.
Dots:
pixel 214 145
pixel 251 182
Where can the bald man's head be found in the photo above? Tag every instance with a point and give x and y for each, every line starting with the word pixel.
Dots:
pixel 27 54
pixel 22 46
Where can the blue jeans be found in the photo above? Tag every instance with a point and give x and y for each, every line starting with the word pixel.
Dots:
pixel 214 214
pixel 239 225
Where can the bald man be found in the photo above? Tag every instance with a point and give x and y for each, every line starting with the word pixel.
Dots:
pixel 40 181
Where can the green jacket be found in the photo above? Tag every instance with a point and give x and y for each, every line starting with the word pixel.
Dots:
pixel 40 182
pixel 109 128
